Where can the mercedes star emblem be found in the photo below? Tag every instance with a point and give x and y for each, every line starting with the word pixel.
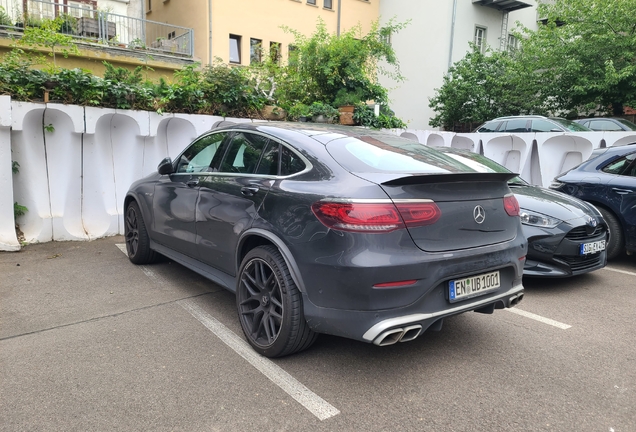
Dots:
pixel 479 214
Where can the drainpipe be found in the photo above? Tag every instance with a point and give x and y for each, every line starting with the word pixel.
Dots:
pixel 339 12
pixel 210 29
pixel 452 38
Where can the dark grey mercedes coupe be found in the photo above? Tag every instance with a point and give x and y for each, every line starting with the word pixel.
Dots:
pixel 327 229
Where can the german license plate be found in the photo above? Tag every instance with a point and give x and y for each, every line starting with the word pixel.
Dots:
pixel 593 247
pixel 473 286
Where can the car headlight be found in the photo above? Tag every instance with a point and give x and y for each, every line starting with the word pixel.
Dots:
pixel 537 219
pixel 556 184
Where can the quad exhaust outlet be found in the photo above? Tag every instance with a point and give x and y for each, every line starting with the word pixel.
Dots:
pixel 392 336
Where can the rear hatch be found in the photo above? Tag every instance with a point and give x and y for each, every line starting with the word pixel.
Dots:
pixel 471 203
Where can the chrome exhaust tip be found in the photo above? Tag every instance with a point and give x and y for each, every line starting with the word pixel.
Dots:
pixel 389 337
pixel 411 333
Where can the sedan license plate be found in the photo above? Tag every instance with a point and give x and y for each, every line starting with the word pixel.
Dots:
pixel 593 247
pixel 473 286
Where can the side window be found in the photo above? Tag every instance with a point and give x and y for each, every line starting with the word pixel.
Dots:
pixel 516 125
pixel 244 153
pixel 290 163
pixel 604 125
pixel 619 165
pixel 198 157
pixel 269 162
pixel 542 126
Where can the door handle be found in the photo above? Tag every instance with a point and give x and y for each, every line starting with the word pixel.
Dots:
pixel 250 190
pixel 622 191
pixel 193 182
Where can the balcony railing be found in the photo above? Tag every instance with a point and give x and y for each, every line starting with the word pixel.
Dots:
pixel 95 26
pixel 504 5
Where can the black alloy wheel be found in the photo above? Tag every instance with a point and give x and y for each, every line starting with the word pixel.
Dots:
pixel 137 240
pixel 270 305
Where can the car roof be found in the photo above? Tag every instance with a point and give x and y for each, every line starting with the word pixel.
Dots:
pixel 329 132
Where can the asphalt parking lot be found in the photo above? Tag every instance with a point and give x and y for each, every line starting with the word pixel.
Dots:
pixel 90 342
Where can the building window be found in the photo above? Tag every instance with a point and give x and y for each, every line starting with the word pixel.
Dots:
pixel 292 55
pixel 256 48
pixel 235 49
pixel 149 6
pixel 513 43
pixel 480 38
pixel 311 2
pixel 274 51
pixel 328 4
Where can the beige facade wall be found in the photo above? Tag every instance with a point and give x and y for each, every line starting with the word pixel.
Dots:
pixel 257 19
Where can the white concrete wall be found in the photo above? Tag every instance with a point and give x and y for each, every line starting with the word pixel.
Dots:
pixel 423 48
pixel 537 157
pixel 77 163
pixel 8 239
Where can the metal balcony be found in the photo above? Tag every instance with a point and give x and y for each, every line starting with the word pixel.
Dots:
pixel 98 28
pixel 504 5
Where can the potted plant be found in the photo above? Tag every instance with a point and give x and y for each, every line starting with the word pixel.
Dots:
pixel 300 112
pixel 322 112
pixel 346 102
pixel 273 112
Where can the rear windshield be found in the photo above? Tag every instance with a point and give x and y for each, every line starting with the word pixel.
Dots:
pixel 481 164
pixel 627 123
pixel 375 154
pixel 490 126
pixel 570 125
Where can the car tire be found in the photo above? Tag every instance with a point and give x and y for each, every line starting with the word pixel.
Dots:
pixel 270 305
pixel 616 241
pixel 136 235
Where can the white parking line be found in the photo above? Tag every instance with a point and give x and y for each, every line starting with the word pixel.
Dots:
pixel 619 271
pixel 147 270
pixel 539 318
pixel 290 385
pixel 314 403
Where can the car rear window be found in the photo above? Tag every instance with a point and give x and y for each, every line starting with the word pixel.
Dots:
pixel 368 154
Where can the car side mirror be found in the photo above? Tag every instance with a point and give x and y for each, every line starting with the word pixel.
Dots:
pixel 165 166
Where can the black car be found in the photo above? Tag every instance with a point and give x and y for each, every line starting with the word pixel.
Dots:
pixel 332 230
pixel 566 236
pixel 607 124
pixel 608 180
pixel 530 123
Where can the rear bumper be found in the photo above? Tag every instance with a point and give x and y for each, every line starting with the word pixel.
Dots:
pixel 404 324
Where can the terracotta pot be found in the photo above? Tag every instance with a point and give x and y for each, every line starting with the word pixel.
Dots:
pixel 346 115
pixel 272 112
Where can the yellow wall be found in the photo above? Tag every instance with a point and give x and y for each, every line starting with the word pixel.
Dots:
pixel 93 60
pixel 257 19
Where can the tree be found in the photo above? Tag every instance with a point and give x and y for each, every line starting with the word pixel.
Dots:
pixel 482 86
pixel 585 54
pixel 328 68
pixel 47 35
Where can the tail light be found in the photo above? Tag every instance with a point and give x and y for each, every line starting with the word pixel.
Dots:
pixel 375 216
pixel 511 205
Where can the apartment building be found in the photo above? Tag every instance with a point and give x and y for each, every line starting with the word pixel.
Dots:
pixel 440 34
pixel 236 31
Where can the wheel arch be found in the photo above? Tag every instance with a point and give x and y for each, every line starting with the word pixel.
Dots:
pixel 258 237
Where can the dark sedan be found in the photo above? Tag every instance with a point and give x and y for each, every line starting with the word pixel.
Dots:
pixel 566 236
pixel 332 230
pixel 607 124
pixel 608 180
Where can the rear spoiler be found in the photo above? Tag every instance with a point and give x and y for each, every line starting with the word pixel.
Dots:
pixel 411 179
